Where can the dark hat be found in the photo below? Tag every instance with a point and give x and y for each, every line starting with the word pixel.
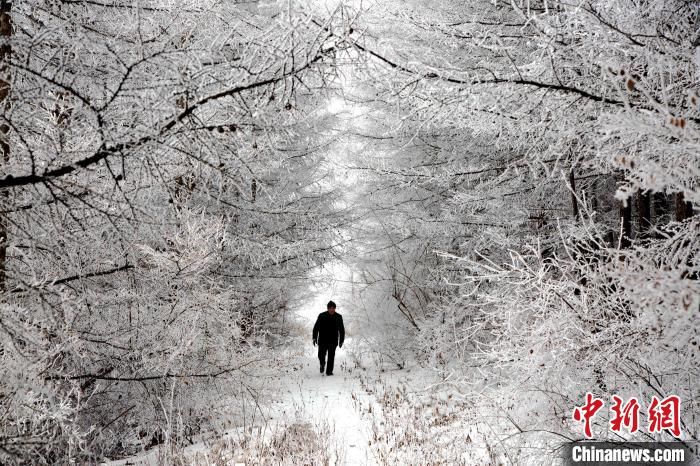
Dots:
pixel 331 304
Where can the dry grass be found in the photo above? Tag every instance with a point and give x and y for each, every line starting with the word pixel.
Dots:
pixel 300 442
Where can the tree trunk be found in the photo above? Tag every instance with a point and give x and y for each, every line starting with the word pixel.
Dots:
pixel 626 216
pixel 660 204
pixel 594 194
pixel 574 201
pixel 660 212
pixel 5 51
pixel 643 213
pixel 683 209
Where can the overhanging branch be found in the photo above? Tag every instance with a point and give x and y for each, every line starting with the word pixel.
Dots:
pixel 105 151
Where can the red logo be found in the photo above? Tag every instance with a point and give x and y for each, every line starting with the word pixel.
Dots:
pixel 627 415
pixel 586 412
pixel 665 415
pixel 661 415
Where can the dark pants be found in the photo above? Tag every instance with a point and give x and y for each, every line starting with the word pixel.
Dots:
pixel 322 349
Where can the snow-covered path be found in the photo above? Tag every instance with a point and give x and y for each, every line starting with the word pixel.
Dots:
pixel 331 400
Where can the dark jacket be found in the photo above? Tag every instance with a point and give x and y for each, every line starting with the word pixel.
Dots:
pixel 329 329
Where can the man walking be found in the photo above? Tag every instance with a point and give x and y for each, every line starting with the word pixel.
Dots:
pixel 329 332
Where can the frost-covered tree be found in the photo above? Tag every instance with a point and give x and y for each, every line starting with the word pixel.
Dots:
pixel 164 198
pixel 554 146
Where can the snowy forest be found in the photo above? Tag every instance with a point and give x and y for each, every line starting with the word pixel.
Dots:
pixel 501 196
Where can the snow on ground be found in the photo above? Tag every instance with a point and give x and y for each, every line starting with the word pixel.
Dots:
pixel 334 400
